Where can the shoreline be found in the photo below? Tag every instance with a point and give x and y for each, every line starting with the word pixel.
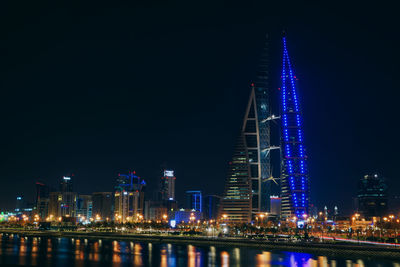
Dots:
pixel 327 249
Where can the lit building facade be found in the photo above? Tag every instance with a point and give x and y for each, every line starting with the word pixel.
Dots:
pixel 157 213
pixel 184 216
pixel 84 207
pixel 102 205
pixel 194 200
pixel 235 206
pixel 256 133
pixel 127 206
pixel 129 198
pixel 167 186
pixel 211 207
pixel 276 203
pixel 20 204
pixel 42 200
pixel 63 203
pixel 295 186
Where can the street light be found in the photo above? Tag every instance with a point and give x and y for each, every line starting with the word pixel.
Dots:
pixel 262 218
pixel 192 217
pixel 224 217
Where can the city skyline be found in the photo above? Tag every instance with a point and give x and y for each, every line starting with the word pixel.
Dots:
pixel 82 128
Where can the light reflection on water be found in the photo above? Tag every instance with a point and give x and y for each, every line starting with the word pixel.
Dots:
pixel 75 252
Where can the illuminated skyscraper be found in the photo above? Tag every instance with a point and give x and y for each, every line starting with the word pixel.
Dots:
pixel 295 180
pixel 167 186
pixel 129 197
pixel 235 206
pixel 63 202
pixel 252 156
pixel 256 130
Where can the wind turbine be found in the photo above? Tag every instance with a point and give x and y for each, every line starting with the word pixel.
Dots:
pixel 272 178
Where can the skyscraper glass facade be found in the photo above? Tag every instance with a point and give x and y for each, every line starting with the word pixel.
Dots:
pixel 256 129
pixel 255 144
pixel 235 205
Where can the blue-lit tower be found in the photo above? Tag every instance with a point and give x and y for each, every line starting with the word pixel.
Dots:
pixel 295 186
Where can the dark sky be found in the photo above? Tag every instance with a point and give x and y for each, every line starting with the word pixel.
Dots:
pixel 95 90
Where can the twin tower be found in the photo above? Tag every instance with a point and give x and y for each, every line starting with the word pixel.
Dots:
pixel 250 184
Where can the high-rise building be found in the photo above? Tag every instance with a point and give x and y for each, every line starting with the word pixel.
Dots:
pixel 256 130
pixel 194 200
pixel 20 204
pixel 55 201
pixel 42 200
pixel 102 205
pixel 129 197
pixel 66 184
pixel 127 206
pixel 84 206
pixel 167 186
pixel 252 156
pixel 63 202
pixel 235 206
pixel 68 205
pixel 211 207
pixel 372 196
pixel 295 186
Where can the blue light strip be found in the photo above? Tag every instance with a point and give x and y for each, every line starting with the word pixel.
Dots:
pixel 293 146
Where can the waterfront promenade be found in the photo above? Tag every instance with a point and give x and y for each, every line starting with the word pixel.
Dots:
pixel 326 247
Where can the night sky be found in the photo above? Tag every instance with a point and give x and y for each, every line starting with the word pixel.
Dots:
pixel 95 90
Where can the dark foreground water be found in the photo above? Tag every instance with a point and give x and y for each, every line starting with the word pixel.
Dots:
pixel 35 251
